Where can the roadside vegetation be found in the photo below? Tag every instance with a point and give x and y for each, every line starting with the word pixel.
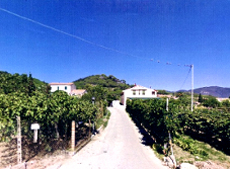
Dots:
pixel 103 121
pixel 203 134
pixel 30 99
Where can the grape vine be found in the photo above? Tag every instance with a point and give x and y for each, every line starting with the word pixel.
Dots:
pixel 211 126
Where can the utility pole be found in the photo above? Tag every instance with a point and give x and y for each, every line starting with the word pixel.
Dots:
pixel 192 84
pixel 192 69
pixel 19 140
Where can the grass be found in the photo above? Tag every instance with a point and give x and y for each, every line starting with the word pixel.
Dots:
pixel 103 120
pixel 188 150
pixel 106 119
pixel 201 150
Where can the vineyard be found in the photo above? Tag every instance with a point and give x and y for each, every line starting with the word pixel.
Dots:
pixel 33 103
pixel 210 126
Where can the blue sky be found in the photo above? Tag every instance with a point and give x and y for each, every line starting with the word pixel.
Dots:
pixel 64 40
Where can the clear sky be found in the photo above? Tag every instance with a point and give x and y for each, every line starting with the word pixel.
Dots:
pixel 146 42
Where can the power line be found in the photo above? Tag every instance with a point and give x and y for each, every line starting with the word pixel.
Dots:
pixel 69 34
pixel 185 78
pixel 80 38
pixel 85 40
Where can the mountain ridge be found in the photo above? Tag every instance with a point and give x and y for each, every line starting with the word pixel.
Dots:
pixel 217 91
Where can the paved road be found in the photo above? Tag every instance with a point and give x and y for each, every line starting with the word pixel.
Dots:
pixel 117 147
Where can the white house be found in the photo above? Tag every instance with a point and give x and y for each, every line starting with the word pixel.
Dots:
pixel 138 92
pixel 78 92
pixel 67 87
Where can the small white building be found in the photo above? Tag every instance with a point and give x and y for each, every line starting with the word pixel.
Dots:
pixel 138 92
pixel 78 92
pixel 67 87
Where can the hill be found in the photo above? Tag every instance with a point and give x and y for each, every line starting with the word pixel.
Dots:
pixel 102 80
pixel 10 83
pixel 110 85
pixel 221 92
pixel 216 91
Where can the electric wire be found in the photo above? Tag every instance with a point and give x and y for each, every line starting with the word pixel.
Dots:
pixel 79 38
pixel 68 34
pixel 186 78
pixel 90 42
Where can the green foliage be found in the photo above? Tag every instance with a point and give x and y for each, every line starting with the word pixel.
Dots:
pixel 226 103
pixel 31 99
pixel 53 113
pixel 192 146
pixel 101 80
pixel 163 92
pixel 152 115
pixel 211 102
pixel 98 92
pixel 200 99
pixel 102 87
pixel 21 83
pixel 211 126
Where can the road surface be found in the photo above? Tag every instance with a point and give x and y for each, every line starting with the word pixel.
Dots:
pixel 117 147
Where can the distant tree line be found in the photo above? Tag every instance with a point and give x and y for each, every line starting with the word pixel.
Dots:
pixel 21 83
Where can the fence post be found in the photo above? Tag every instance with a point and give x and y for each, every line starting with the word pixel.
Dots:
pixel 19 140
pixel 73 135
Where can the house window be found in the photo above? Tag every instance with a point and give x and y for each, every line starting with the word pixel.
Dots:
pixel 143 92
pixel 134 92
pixel 65 87
pixel 58 88
pixel 153 93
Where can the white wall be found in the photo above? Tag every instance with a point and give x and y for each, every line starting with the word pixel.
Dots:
pixel 63 87
pixel 136 92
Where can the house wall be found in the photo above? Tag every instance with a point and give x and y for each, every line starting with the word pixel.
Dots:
pixel 63 87
pixel 73 87
pixel 123 99
pixel 138 93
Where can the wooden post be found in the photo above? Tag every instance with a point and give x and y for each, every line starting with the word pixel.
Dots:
pixel 89 128
pixel 19 140
pixel 73 135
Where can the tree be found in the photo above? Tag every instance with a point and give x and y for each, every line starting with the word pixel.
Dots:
pixel 163 92
pixel 226 103
pixel 200 99
pixel 211 102
pixel 31 85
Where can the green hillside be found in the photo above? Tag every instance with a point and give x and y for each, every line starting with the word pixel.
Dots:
pixel 11 83
pixel 111 85
pixel 101 80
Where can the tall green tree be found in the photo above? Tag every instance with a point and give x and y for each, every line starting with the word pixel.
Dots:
pixel 31 85
pixel 200 99
pixel 226 103
pixel 211 102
